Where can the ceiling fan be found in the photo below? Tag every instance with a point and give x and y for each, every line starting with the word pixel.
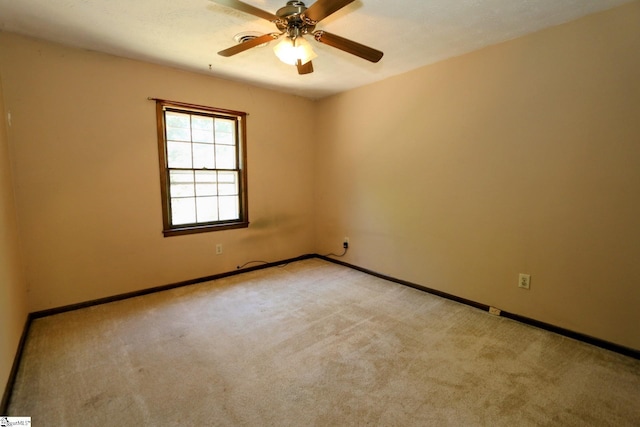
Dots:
pixel 295 20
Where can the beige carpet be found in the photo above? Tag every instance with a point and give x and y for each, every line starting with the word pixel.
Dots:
pixel 312 344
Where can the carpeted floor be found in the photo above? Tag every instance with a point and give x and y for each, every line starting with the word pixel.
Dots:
pixel 312 344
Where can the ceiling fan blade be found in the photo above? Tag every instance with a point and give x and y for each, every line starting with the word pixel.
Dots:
pixel 348 46
pixel 323 8
pixel 247 8
pixel 241 47
pixel 305 68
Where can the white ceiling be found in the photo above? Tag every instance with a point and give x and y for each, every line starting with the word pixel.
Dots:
pixel 188 33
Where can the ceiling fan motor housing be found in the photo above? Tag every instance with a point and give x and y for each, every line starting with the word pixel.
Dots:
pixel 292 22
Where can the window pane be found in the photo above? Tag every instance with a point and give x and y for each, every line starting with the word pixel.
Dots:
pixel 203 156
pixel 227 183
pixel 225 125
pixel 225 156
pixel 225 131
pixel 206 183
pixel 181 184
pixel 177 120
pixel 224 138
pixel 178 126
pixel 179 154
pixel 204 126
pixel 175 134
pixel 202 129
pixel 202 136
pixel 183 211
pixel 228 208
pixel 207 208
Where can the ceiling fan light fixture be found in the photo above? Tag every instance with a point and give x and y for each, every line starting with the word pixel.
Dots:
pixel 290 50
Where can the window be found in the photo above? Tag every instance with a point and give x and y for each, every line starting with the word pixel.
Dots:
pixel 202 168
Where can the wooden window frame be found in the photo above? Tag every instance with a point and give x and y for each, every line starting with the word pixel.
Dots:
pixel 240 119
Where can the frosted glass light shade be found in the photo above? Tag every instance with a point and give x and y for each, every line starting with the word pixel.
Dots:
pixel 290 51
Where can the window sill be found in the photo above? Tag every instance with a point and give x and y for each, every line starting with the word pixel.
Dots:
pixel 193 229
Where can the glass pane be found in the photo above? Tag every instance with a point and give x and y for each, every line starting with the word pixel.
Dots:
pixel 225 156
pixel 181 184
pixel 175 134
pixel 201 123
pixel 207 208
pixel 225 138
pixel 206 183
pixel 183 211
pixel 203 156
pixel 177 120
pixel 225 125
pixel 228 208
pixel 178 126
pixel 202 129
pixel 227 183
pixel 202 136
pixel 178 154
pixel 225 131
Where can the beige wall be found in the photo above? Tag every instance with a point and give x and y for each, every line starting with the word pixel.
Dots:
pixel 519 158
pixel 87 180
pixel 13 287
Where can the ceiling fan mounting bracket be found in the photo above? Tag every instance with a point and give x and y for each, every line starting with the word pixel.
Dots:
pixel 292 8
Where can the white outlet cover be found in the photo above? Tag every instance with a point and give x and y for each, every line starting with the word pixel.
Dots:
pixel 524 281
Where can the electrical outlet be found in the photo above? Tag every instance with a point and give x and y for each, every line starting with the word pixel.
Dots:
pixel 524 281
pixel 345 243
pixel 495 311
pixel 218 248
